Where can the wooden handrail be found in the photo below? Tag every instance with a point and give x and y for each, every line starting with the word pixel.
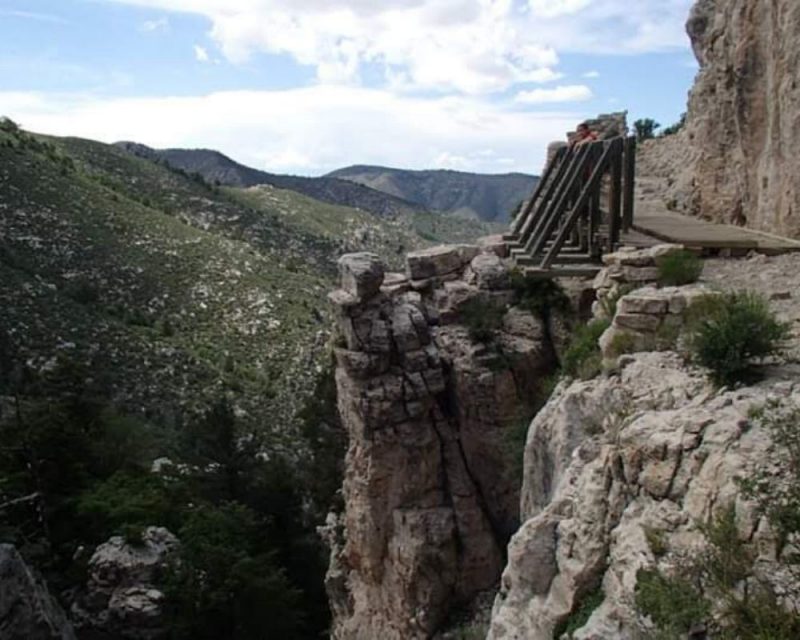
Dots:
pixel 523 215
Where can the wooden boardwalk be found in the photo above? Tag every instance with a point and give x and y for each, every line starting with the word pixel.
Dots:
pixel 655 220
pixel 583 207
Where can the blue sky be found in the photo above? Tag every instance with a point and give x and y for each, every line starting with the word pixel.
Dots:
pixel 306 87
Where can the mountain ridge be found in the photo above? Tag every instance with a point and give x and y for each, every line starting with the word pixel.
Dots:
pixel 217 168
pixel 488 197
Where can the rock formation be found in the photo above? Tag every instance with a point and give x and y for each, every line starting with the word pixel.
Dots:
pixel 649 448
pixel 735 160
pixel 27 610
pixel 123 598
pixel 430 502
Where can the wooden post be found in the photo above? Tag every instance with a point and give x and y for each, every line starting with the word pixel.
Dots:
pixel 592 185
pixel 547 224
pixel 630 183
pixel 523 215
pixel 547 196
pixel 593 223
pixel 615 221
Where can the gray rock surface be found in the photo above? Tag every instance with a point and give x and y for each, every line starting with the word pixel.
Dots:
pixel 27 610
pixel 732 162
pixel 654 447
pixel 429 502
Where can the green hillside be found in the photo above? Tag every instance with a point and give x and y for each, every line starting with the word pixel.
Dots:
pixel 176 291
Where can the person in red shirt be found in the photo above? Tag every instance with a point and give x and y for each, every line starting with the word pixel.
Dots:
pixel 583 135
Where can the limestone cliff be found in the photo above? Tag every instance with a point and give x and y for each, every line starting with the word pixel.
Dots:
pixel 650 451
pixel 736 160
pixel 430 503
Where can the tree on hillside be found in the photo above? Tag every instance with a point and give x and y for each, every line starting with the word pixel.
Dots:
pixel 674 128
pixel 646 128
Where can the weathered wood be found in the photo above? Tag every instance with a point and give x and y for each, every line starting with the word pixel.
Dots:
pixel 583 200
pixel 537 192
pixel 629 183
pixel 550 218
pixel 615 222
pixel 561 167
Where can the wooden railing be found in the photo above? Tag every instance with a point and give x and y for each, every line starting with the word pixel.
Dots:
pixel 580 207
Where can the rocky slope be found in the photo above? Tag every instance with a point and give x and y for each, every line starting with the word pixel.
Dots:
pixel 734 161
pixel 622 473
pixel 27 610
pixel 428 406
pixel 215 167
pixel 485 197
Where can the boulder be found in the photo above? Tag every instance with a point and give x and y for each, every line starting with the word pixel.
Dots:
pixel 434 262
pixel 490 272
pixel 123 597
pixel 361 274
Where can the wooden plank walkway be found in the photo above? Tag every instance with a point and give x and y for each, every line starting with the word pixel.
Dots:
pixel 655 220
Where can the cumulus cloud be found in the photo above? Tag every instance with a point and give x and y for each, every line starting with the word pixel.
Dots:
pixel 311 130
pixel 160 25
pixel 470 46
pixel 591 74
pixel 567 93
pixel 200 54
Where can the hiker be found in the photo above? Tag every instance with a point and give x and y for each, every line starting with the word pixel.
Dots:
pixel 583 135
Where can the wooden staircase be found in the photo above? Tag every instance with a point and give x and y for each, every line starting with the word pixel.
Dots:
pixel 580 209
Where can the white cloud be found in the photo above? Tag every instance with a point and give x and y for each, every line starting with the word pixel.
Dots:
pixel 160 25
pixel 313 129
pixel 471 46
pixel 200 54
pixel 567 93
pixel 591 74
pixel 33 15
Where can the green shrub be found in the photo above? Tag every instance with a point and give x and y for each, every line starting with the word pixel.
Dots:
pixel 483 319
pixel 679 268
pixel 609 303
pixel 674 604
pixel 539 296
pixel 727 333
pixel 578 618
pixel 656 540
pixel 710 582
pixel 583 359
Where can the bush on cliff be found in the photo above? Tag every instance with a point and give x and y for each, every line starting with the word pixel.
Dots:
pixel 678 269
pixel 725 587
pixel 583 358
pixel 728 333
pixel 483 319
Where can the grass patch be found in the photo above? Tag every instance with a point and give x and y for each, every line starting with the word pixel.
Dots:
pixel 727 334
pixel 583 358
pixel 578 618
pixel 657 541
pixel 483 319
pixel 679 268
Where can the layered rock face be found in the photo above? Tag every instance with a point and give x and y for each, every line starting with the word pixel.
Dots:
pixel 430 502
pixel 27 610
pixel 743 128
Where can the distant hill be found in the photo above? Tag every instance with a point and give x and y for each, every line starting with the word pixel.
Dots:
pixel 487 197
pixel 216 167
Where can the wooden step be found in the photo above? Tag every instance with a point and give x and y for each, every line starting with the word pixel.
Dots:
pixel 572 271
pixel 576 258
